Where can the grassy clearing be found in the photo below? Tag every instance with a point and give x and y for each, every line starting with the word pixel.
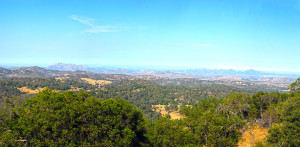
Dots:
pixel 161 109
pixel 252 135
pixel 75 89
pixel 30 91
pixel 62 78
pixel 96 82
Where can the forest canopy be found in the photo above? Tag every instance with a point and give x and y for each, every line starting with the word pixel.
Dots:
pixel 53 118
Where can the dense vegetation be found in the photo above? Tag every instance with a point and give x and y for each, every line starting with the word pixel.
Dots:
pixel 8 87
pixel 141 93
pixel 59 119
pixel 67 119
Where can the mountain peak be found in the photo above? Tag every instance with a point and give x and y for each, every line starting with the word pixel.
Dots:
pixel 67 67
pixel 251 72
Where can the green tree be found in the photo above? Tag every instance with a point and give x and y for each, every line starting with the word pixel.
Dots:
pixel 212 125
pixel 68 119
pixel 237 104
pixel 287 132
pixel 166 132
pixel 295 87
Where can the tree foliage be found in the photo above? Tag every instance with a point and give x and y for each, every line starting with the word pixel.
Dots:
pixel 212 125
pixel 287 132
pixel 166 132
pixel 295 87
pixel 68 119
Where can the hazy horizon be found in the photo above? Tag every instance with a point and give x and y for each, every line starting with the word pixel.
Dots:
pixel 151 67
pixel 252 34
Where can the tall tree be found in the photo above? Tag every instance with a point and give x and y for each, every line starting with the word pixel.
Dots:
pixel 295 87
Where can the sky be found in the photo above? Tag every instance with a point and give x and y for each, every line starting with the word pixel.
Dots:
pixel 237 34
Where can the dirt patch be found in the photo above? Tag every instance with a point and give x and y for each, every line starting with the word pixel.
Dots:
pixel 252 135
pixel 96 82
pixel 62 78
pixel 30 91
pixel 175 115
pixel 75 89
pixel 136 90
pixel 161 109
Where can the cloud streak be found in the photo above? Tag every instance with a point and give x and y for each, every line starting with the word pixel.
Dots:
pixel 94 28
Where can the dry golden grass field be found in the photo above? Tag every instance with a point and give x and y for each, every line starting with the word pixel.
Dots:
pixel 95 82
pixel 252 135
pixel 30 91
pixel 161 109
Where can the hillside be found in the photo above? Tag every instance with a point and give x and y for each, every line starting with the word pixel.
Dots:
pixel 67 67
pixel 269 83
pixel 174 108
pixel 237 119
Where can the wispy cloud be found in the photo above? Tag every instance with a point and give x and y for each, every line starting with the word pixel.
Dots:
pixel 94 28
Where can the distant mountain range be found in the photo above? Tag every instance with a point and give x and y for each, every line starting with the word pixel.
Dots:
pixel 115 70
pixel 187 73
pixel 35 72
pixel 61 69
pixel 249 79
pixel 225 72
pixel 67 67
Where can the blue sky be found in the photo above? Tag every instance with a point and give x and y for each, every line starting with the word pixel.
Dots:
pixel 239 34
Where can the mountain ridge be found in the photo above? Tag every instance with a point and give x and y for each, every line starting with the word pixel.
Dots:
pixel 202 73
pixel 123 74
pixel 195 72
pixel 67 67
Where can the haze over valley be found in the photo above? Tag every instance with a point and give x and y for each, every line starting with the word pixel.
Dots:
pixel 248 79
